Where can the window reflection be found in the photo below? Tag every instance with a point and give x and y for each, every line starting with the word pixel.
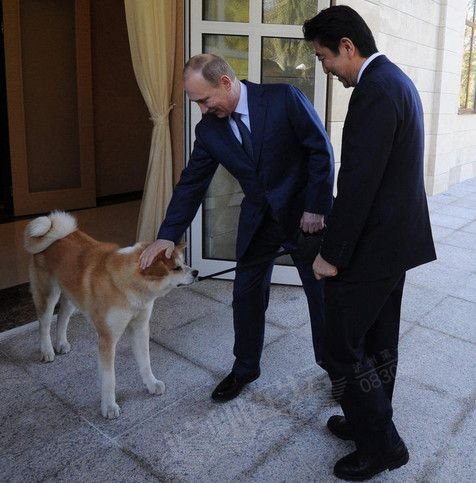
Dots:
pixel 222 202
pixel 233 48
pixel 288 12
pixel 226 10
pixel 290 61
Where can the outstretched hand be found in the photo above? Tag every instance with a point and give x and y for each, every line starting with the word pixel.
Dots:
pixel 150 253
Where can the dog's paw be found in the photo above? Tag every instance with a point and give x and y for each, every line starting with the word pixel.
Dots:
pixel 63 347
pixel 157 387
pixel 111 411
pixel 47 355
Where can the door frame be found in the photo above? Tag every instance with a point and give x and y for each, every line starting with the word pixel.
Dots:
pixel 26 202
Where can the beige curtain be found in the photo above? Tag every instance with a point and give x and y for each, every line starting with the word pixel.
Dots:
pixel 151 30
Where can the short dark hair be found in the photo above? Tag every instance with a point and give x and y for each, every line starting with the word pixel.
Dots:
pixel 330 25
pixel 211 66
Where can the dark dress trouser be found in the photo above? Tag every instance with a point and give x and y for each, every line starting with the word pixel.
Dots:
pixel 360 342
pixel 251 297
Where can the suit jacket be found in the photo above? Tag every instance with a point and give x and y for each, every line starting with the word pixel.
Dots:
pixel 292 169
pixel 379 225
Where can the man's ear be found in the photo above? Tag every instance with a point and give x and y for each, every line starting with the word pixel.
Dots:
pixel 226 81
pixel 346 46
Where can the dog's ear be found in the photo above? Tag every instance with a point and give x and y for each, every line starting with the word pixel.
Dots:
pixel 159 267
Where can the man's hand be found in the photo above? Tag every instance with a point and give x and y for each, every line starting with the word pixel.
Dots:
pixel 149 254
pixel 323 269
pixel 311 222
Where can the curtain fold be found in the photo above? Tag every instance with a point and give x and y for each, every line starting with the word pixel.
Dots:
pixel 151 31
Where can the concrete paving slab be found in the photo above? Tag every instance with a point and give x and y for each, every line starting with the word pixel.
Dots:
pixel 180 307
pixel 39 432
pixel 52 430
pixel 465 203
pixel 308 455
pixel 453 316
pixel 440 232
pixel 405 327
pixel 462 239
pixel 470 227
pixel 73 377
pixel 443 279
pixel 418 301
pixel 305 396
pixel 456 460
pixel 285 357
pixel 312 452
pixel 464 188
pixel 454 211
pixel 446 198
pixel 106 463
pixel 470 195
pixel 424 418
pixel 287 307
pixel 439 361
pixel 468 184
pixel 468 290
pixel 208 341
pixel 218 290
pixel 197 440
pixel 456 257
pixel 446 220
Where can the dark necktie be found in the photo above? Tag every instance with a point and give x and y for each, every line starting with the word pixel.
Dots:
pixel 245 134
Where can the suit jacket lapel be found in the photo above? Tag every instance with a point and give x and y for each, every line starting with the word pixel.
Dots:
pixel 224 130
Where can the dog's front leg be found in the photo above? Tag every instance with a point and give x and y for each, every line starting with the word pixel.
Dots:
pixel 140 345
pixel 107 353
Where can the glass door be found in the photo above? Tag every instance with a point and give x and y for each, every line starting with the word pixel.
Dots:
pixel 262 41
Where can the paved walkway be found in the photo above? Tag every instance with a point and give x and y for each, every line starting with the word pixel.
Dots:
pixel 51 429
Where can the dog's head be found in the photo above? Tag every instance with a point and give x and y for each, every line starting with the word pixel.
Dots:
pixel 171 272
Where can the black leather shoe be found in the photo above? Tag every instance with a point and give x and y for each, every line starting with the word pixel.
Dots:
pixel 355 467
pixel 231 386
pixel 339 427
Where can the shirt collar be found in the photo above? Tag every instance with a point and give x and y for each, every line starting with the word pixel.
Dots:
pixel 366 63
pixel 242 106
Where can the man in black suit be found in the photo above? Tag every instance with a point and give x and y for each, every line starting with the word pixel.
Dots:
pixel 378 228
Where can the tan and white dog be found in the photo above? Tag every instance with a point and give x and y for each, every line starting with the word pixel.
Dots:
pixel 105 283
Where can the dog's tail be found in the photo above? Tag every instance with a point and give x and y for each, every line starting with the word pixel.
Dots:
pixel 45 230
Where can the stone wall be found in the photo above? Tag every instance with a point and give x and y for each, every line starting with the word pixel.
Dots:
pixel 425 39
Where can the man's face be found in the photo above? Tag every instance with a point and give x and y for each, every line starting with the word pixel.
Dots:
pixel 219 100
pixel 339 65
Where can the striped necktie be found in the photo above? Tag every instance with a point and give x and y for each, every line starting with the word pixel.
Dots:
pixel 245 134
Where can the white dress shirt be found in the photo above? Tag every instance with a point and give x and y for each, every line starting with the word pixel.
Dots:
pixel 366 63
pixel 242 109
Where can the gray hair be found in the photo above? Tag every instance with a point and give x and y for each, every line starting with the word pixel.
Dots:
pixel 211 66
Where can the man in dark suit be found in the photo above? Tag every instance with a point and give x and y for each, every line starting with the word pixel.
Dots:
pixel 379 227
pixel 271 140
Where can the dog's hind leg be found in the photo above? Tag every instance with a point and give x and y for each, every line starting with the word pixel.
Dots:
pixel 45 293
pixel 66 309
pixel 139 328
